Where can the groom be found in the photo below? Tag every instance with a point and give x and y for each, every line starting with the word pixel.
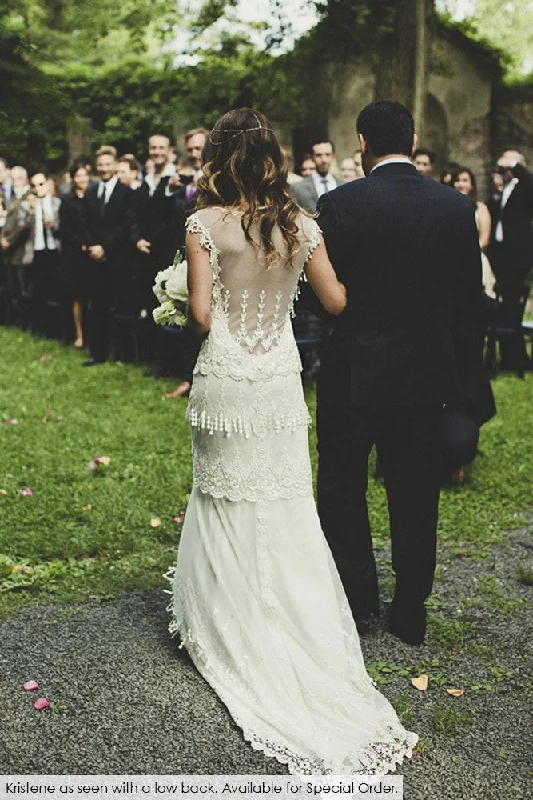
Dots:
pixel 408 251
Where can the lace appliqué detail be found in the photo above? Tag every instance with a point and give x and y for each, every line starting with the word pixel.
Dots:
pixel 257 354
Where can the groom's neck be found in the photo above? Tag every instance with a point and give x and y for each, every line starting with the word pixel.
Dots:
pixel 378 160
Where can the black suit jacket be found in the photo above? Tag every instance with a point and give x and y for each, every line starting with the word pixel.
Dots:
pixel 407 249
pixel 160 219
pixel 111 226
pixel 516 217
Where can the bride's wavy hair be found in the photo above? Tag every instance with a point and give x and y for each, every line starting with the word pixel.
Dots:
pixel 244 167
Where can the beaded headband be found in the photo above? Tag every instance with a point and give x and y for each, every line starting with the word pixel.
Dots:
pixel 237 131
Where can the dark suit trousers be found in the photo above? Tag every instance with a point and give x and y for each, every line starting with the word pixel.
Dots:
pixel 407 441
pixel 100 290
pixel 511 278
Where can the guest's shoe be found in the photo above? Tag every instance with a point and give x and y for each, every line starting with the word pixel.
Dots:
pixel 92 362
pixel 408 625
pixel 182 390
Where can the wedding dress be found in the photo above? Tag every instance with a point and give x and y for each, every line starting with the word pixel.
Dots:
pixel 256 597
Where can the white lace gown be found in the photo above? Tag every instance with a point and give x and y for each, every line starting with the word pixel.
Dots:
pixel 256 597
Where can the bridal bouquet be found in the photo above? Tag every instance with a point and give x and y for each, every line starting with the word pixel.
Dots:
pixel 170 288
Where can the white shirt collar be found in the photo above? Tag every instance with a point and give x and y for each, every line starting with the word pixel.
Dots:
pixel 107 187
pixel 391 161
pixel 318 180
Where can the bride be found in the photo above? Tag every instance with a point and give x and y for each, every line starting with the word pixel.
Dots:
pixel 256 597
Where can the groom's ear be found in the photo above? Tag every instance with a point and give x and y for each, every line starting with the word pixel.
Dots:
pixel 362 144
pixel 415 142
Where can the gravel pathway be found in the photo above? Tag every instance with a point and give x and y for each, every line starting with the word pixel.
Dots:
pixel 129 702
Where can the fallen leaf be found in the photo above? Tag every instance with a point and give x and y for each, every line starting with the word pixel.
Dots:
pixel 41 704
pixel 26 492
pixel 44 358
pixel 60 419
pixel 421 682
pixel 21 568
pixel 3 491
pixel 155 523
pixel 456 692
pixel 103 460
pixel 30 685
pixel 90 486
pixel 87 508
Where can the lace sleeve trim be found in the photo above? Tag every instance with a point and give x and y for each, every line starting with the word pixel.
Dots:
pixel 314 241
pixel 195 225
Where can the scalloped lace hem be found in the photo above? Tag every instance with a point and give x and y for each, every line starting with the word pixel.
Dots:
pixel 378 758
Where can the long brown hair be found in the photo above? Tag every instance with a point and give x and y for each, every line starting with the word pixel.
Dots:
pixel 243 167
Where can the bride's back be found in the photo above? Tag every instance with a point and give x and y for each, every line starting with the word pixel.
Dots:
pixel 254 298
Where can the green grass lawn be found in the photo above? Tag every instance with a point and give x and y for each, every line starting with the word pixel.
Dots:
pixel 85 534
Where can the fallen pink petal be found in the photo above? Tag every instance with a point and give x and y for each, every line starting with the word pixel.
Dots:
pixel 92 464
pixel 26 492
pixel 41 704
pixel 29 686
pixel 13 422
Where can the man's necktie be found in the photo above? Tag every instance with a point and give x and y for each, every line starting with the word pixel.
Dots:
pixel 325 184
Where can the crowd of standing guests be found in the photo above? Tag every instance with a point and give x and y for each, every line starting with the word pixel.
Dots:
pixel 95 242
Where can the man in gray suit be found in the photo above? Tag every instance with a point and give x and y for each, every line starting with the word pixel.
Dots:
pixel 307 192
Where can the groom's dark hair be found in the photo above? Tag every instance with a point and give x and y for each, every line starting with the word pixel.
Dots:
pixel 388 127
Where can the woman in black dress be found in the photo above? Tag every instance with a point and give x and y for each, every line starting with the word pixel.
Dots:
pixel 75 264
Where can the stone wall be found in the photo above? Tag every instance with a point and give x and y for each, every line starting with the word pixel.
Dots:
pixel 458 103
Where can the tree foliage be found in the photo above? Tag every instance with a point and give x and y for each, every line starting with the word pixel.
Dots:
pixel 508 24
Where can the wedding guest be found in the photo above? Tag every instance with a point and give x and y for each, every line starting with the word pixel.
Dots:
pixel 511 252
pixel 322 180
pixel 359 171
pixel 423 159
pixel 106 221
pixel 348 170
pixel 496 186
pixel 180 182
pixel 447 172
pixel 76 264
pixel 6 181
pixel 42 246
pixel 15 234
pixel 464 180
pixel 307 166
pixel 128 171
pixel 157 229
pixel 195 141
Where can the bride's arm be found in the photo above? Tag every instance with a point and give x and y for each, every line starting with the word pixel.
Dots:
pixel 321 275
pixel 199 283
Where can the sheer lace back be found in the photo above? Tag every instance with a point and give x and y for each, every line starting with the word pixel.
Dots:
pixel 255 301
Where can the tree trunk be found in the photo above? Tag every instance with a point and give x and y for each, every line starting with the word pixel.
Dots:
pixel 402 71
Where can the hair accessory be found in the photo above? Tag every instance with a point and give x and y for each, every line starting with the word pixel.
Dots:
pixel 237 131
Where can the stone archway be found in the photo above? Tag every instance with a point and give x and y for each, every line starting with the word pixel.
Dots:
pixel 436 132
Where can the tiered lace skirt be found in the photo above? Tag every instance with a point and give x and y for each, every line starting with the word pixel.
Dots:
pixel 256 597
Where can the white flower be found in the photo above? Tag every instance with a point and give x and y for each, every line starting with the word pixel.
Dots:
pixel 170 288
pixel 176 285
